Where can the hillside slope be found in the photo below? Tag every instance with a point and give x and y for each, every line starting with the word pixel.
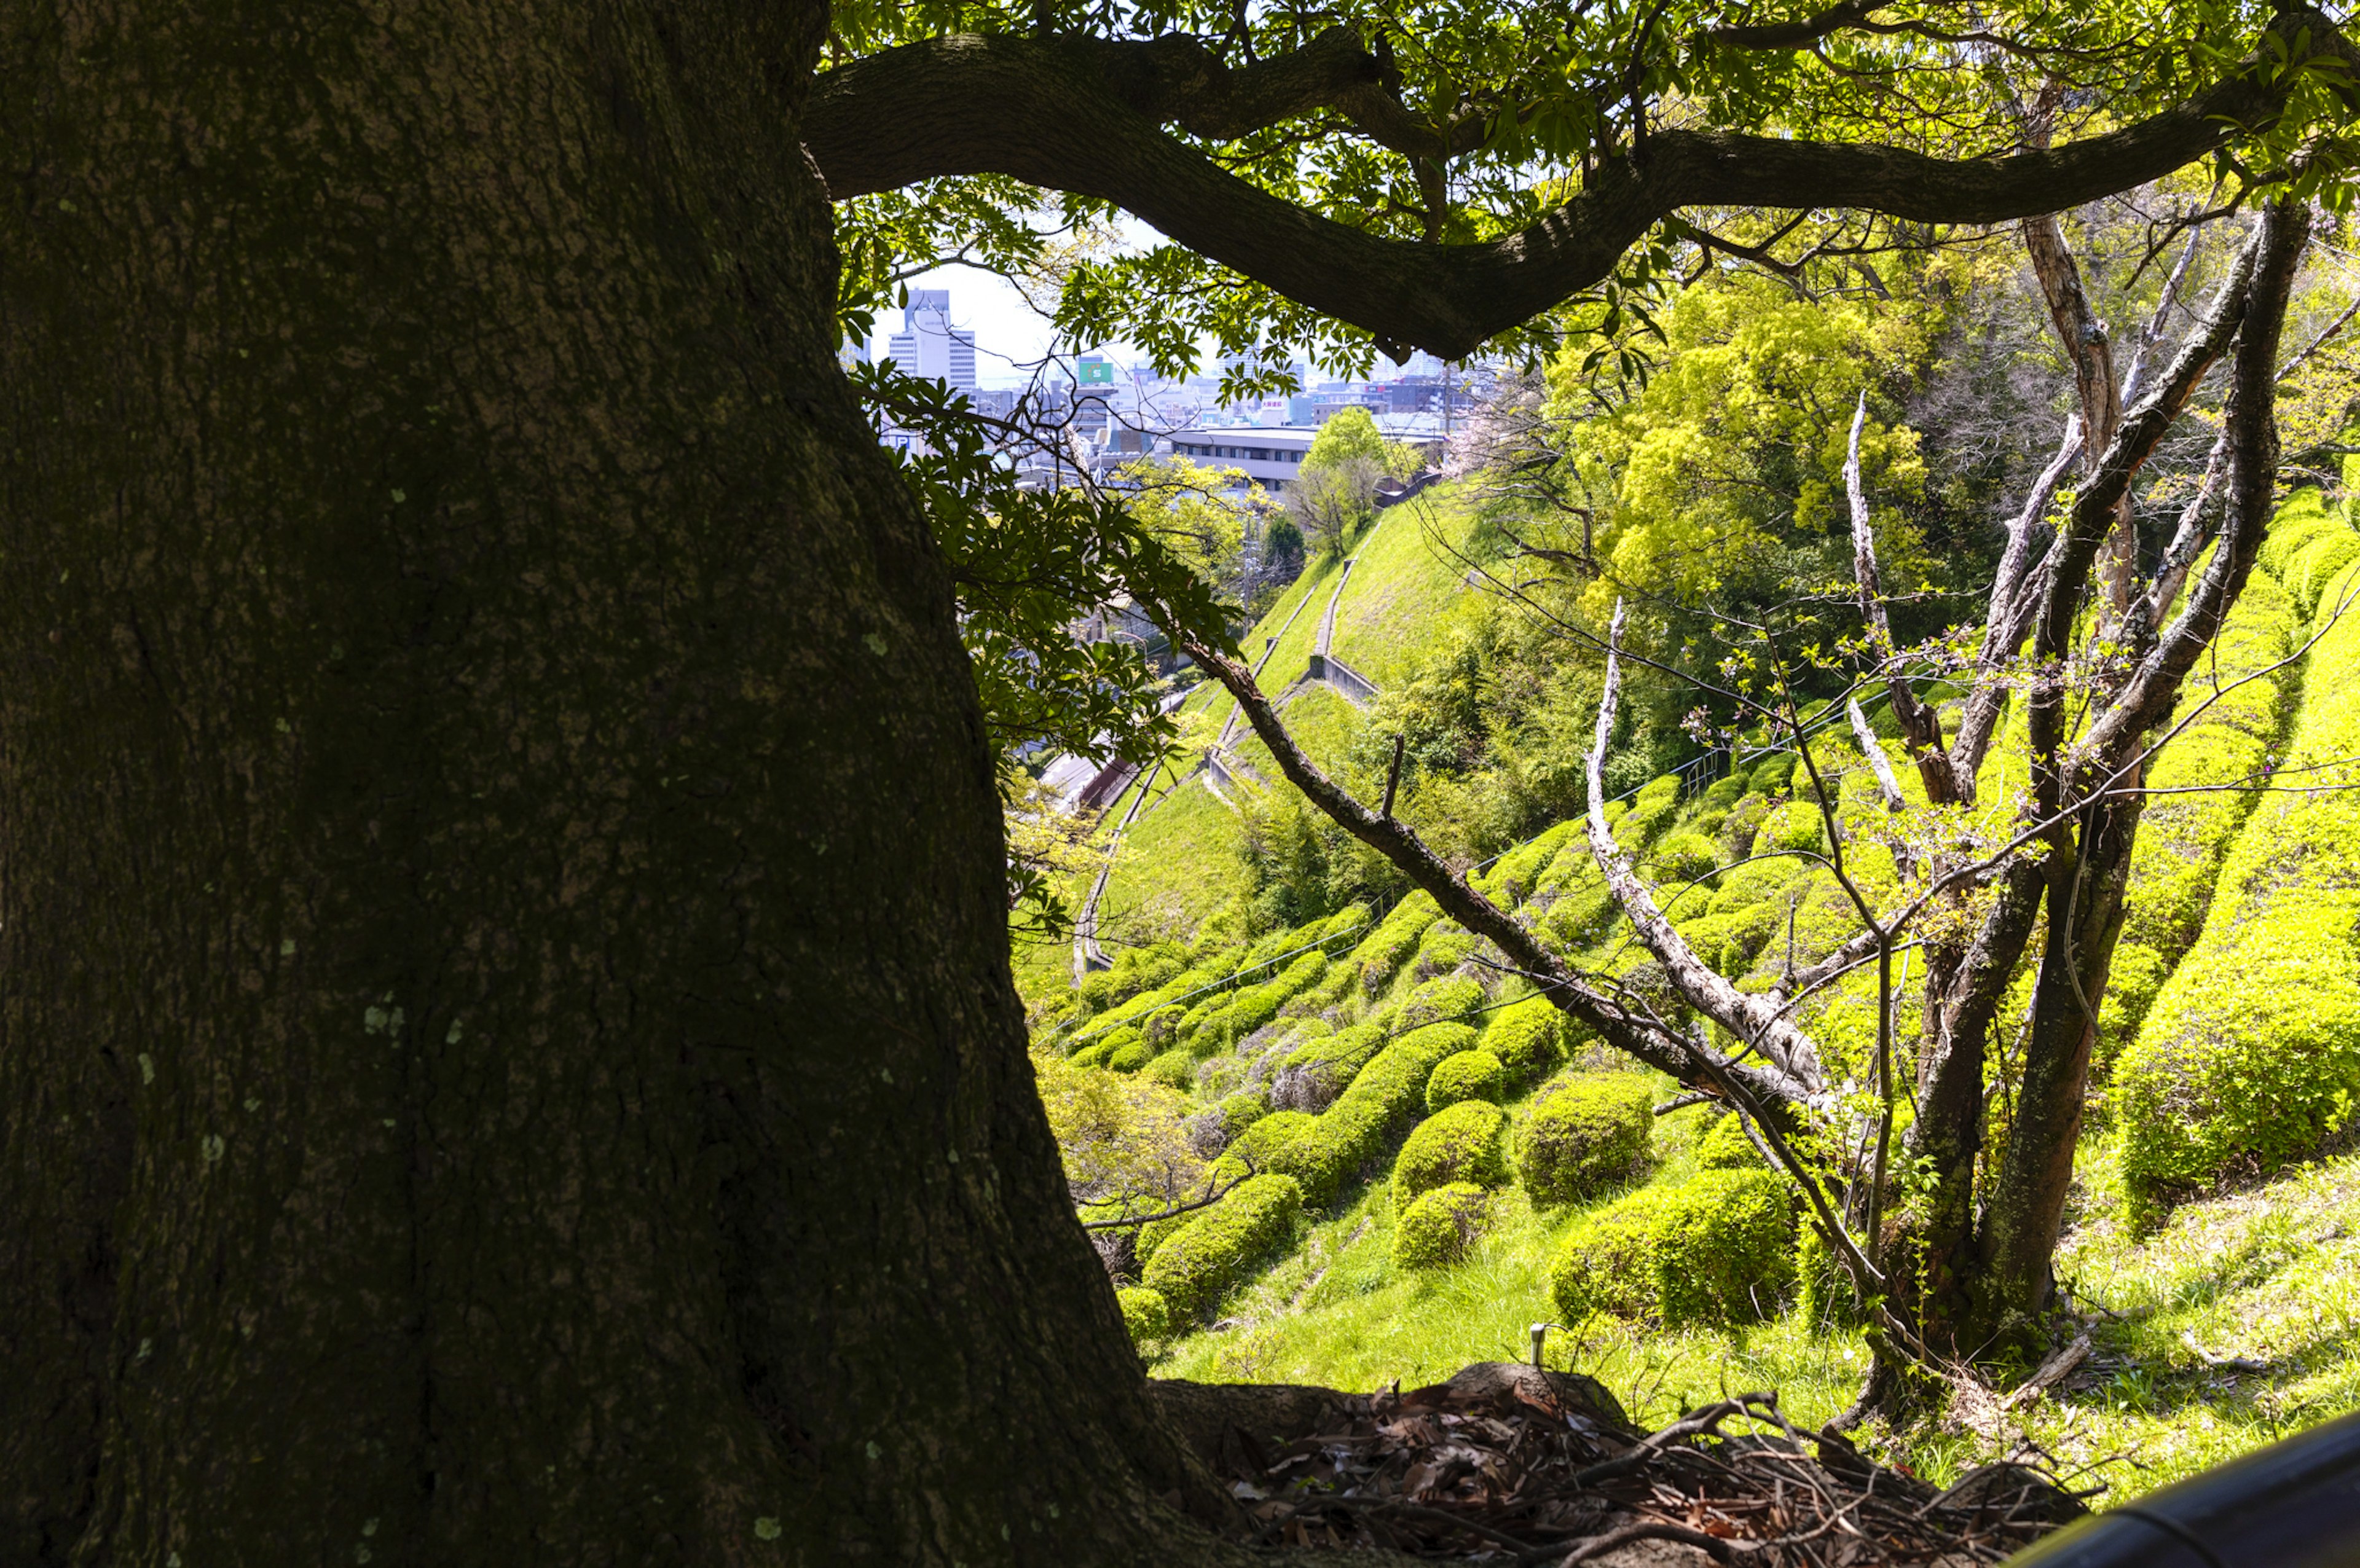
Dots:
pixel 1423 1161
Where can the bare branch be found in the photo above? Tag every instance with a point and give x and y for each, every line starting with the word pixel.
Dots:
pixel 2009 620
pixel 1756 1019
pixel 1878 763
pixel 1921 727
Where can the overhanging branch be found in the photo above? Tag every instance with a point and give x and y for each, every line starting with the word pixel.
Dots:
pixel 1088 117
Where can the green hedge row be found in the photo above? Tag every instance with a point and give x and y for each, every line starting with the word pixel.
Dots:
pixel 1218 1248
pixel 2250 1057
pixel 1382 1100
pixel 1316 1072
pixel 1384 951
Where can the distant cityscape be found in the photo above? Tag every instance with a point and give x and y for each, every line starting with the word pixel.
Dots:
pixel 1107 413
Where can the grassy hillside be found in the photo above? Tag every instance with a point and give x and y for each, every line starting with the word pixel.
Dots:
pixel 1389 1090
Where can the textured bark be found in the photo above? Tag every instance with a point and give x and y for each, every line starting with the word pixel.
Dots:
pixel 2089 869
pixel 506 1053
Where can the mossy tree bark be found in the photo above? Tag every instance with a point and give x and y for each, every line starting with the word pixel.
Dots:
pixel 507 1052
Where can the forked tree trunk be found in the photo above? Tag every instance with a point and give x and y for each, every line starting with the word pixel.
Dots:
pixel 507 1052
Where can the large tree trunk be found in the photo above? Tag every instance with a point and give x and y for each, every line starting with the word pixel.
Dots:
pixel 507 1052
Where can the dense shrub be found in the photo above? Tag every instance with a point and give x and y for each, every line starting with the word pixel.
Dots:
pixel 1316 1072
pixel 1607 1264
pixel 1130 1056
pixel 1346 921
pixel 1726 1147
pixel 2302 518
pixel 2316 564
pixel 1797 825
pixel 1176 1067
pixel 1724 1249
pixel 1682 858
pixel 1437 1229
pixel 1092 1055
pixel 1258 1144
pixel 1439 1001
pixel 1465 1142
pixel 1144 1312
pixel 1723 793
pixel 2250 1057
pixel 1585 1133
pixel 1218 1248
pixel 1822 1292
pixel 1382 1100
pixel 1469 1075
pixel 1738 830
pixel 1649 815
pixel 1442 952
pixel 1514 876
pixel 1714 1250
pixel 1770 774
pixel 1384 950
pixel 1161 1027
pixel 1115 1039
pixel 1528 1038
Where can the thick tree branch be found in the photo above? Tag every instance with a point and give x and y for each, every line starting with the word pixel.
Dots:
pixel 1071 116
pixel 2014 601
pixel 2251 434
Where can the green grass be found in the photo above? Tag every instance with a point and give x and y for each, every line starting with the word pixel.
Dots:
pixel 1177 864
pixel 1294 650
pixel 1403 586
pixel 1322 722
pixel 2272 1275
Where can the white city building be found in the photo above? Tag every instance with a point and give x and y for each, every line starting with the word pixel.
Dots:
pixel 928 345
pixel 1270 455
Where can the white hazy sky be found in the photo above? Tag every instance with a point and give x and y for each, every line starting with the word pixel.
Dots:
pixel 1007 331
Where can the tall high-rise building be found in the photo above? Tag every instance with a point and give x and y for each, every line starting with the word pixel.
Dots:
pixel 928 345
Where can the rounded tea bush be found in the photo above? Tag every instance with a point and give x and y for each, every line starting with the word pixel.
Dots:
pixel 1685 857
pixel 1797 825
pixel 1439 1001
pixel 1469 1075
pixel 1437 1230
pixel 1144 1312
pixel 1585 1133
pixel 1241 1111
pixel 1607 1265
pixel 1528 1039
pixel 1130 1056
pixel 1467 1142
pixel 1724 1249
